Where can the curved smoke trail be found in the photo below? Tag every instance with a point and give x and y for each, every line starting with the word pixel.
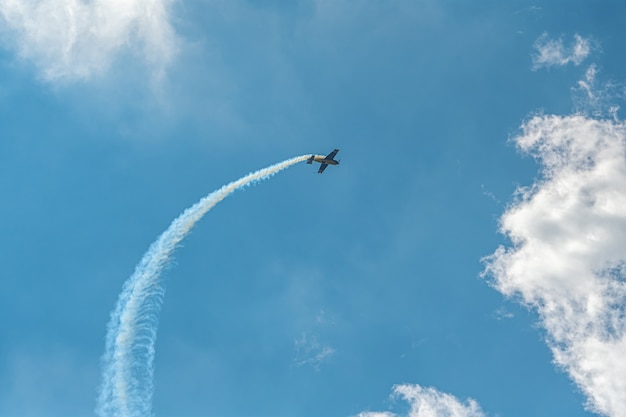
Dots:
pixel 128 359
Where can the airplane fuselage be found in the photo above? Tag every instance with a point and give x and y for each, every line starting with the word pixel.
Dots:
pixel 322 160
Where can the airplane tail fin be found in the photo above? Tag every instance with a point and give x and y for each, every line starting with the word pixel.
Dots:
pixel 310 160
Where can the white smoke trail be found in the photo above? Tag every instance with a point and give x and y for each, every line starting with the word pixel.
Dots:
pixel 128 359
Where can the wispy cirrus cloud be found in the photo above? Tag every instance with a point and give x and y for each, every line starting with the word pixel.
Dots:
pixel 553 53
pixel 597 97
pixel 71 40
pixel 428 402
pixel 567 259
pixel 309 351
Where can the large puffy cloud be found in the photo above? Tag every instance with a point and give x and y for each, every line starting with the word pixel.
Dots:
pixel 428 402
pixel 568 253
pixel 76 39
pixel 552 52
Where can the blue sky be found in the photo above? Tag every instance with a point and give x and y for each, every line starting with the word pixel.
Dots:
pixel 368 291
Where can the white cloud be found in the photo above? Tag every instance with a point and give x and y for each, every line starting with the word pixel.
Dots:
pixel 597 97
pixel 76 40
pixel 428 402
pixel 552 53
pixel 587 84
pixel 309 351
pixel 503 314
pixel 568 254
pixel 375 414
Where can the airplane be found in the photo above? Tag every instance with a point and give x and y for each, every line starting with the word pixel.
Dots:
pixel 324 160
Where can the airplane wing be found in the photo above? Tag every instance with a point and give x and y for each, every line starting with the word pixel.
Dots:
pixel 332 154
pixel 322 168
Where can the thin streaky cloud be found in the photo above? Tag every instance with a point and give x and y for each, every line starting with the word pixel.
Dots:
pixel 309 351
pixel 503 314
pixel 567 257
pixel 70 40
pixel 597 97
pixel 553 53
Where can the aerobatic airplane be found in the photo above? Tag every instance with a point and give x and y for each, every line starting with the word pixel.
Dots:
pixel 324 160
